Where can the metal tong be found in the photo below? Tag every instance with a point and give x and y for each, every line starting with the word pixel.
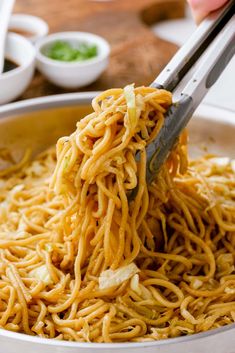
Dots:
pixel 189 76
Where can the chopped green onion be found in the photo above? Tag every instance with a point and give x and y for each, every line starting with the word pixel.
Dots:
pixel 65 51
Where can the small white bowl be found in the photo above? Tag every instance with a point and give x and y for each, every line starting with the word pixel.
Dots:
pixel 21 23
pixel 13 83
pixel 72 74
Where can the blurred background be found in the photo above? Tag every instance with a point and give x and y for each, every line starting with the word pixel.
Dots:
pixel 143 34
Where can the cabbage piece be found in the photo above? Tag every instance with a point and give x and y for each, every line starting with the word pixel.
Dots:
pixel 135 284
pixel 196 283
pixel 22 226
pixel 225 263
pixel 220 163
pixel 4 208
pixel 229 290
pixel 233 165
pixel 49 247
pixel 233 315
pixel 137 287
pixel 42 274
pixel 36 168
pixel 129 95
pixel 17 188
pixel 111 278
pixel 2 183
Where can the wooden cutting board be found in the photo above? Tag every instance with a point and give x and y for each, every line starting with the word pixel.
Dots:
pixel 137 55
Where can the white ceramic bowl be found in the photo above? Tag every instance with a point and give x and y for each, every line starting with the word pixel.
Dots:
pixel 72 74
pixel 31 24
pixel 13 83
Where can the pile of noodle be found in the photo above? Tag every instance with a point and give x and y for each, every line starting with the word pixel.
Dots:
pixel 80 262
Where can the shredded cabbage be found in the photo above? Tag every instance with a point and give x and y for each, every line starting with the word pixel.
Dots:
pixel 220 163
pixel 196 283
pixel 129 94
pixel 49 247
pixel 233 165
pixel 4 207
pixel 111 278
pixel 225 263
pixel 233 315
pixel 135 284
pixel 22 226
pixel 145 292
pixel 42 274
pixel 36 169
pixel 229 290
pixel 17 188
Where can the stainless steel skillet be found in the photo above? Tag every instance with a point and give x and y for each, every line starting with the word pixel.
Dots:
pixel 38 123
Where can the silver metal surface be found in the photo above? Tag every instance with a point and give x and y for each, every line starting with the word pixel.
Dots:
pixel 37 104
pixel 39 123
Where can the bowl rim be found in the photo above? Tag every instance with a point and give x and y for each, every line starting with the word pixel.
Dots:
pixel 74 35
pixel 20 68
pixel 27 22
pixel 205 111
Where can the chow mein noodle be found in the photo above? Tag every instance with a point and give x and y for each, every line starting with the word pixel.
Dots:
pixel 81 262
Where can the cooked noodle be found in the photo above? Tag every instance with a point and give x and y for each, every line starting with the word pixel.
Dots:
pixel 80 262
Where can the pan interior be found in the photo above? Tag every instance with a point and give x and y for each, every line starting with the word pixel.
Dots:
pixel 41 129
